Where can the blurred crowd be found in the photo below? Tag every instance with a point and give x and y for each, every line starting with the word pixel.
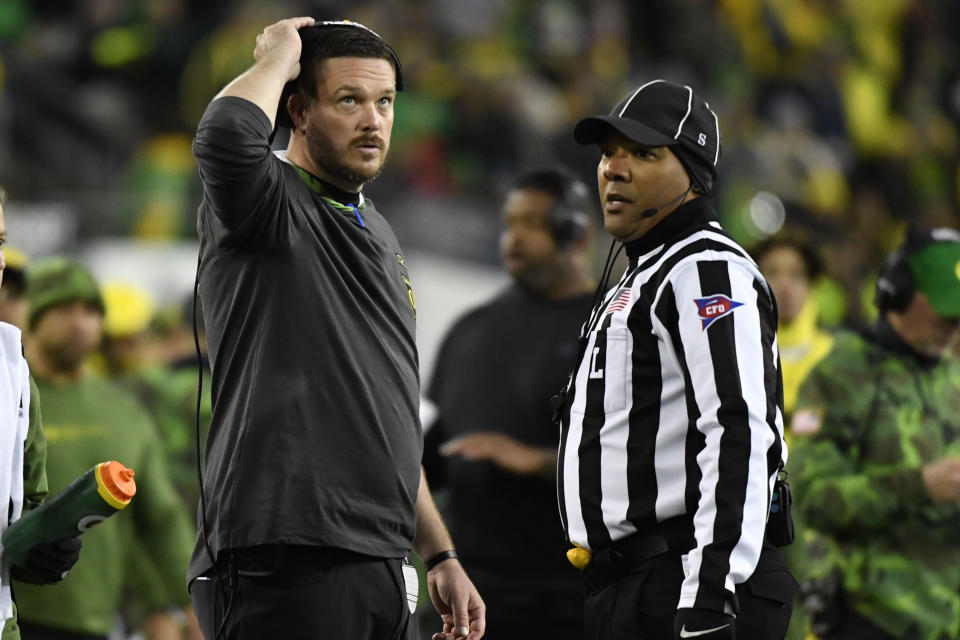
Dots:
pixel 118 380
pixel 840 118
pixel 840 124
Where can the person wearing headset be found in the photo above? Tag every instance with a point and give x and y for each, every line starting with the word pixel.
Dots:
pixel 313 492
pixel 493 446
pixel 876 457
pixel 671 422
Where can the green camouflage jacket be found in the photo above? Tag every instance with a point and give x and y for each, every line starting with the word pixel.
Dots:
pixel 869 417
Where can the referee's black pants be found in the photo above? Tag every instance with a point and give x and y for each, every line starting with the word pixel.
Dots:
pixel 642 605
pixel 302 593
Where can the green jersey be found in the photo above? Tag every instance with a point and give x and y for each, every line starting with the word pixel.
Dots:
pixel 89 422
pixel 869 417
pixel 170 395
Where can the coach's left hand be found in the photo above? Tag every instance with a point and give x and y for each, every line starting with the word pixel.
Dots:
pixel 457 601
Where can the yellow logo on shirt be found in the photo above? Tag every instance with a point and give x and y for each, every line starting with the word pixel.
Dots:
pixel 413 302
pixel 55 433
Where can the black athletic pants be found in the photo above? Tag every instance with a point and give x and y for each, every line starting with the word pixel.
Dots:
pixel 642 605
pixel 29 631
pixel 284 591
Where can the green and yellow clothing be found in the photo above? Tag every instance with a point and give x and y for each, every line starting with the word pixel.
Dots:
pixel 87 422
pixel 869 417
pixel 34 456
pixel 802 345
pixel 170 396
pixel 34 481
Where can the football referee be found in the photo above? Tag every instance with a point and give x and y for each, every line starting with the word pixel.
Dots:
pixel 672 428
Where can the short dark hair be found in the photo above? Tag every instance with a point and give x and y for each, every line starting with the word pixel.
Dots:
pixel 323 42
pixel 569 218
pixel 812 262
pixel 557 183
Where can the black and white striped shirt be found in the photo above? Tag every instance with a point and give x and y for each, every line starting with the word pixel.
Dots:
pixel 675 410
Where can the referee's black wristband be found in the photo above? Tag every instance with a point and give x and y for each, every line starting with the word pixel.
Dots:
pixel 440 557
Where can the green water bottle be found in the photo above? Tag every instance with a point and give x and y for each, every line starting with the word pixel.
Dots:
pixel 87 501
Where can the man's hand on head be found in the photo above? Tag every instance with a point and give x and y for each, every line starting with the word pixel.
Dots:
pixel 280 44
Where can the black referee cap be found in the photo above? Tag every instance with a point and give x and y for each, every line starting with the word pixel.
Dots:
pixel 664 114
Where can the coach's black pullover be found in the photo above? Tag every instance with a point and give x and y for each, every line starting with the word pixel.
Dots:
pixel 315 437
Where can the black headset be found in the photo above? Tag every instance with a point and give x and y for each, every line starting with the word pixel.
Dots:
pixel 283 116
pixel 895 284
pixel 568 219
pixel 895 287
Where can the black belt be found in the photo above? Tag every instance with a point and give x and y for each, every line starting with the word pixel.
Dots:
pixel 280 559
pixel 626 555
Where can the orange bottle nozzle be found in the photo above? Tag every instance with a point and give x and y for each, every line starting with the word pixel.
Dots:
pixel 118 480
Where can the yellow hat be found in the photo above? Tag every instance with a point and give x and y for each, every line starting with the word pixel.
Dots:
pixel 129 309
pixel 15 258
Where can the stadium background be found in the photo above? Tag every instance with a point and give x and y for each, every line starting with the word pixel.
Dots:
pixel 839 118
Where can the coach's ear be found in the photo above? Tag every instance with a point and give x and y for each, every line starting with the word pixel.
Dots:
pixel 296 108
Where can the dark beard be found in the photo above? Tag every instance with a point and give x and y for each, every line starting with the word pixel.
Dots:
pixel 324 154
pixel 65 359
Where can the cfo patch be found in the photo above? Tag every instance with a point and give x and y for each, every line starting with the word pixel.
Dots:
pixel 715 307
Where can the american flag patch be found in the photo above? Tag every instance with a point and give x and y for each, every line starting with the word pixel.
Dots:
pixel 620 302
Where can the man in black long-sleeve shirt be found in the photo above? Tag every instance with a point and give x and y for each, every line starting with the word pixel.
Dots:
pixel 313 493
pixel 497 369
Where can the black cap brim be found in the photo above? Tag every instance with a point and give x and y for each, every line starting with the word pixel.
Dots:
pixel 595 130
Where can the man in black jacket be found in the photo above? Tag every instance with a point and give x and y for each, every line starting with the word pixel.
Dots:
pixel 313 490
pixel 494 445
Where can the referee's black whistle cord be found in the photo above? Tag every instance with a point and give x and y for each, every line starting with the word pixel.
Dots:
pixel 560 399
pixel 598 302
